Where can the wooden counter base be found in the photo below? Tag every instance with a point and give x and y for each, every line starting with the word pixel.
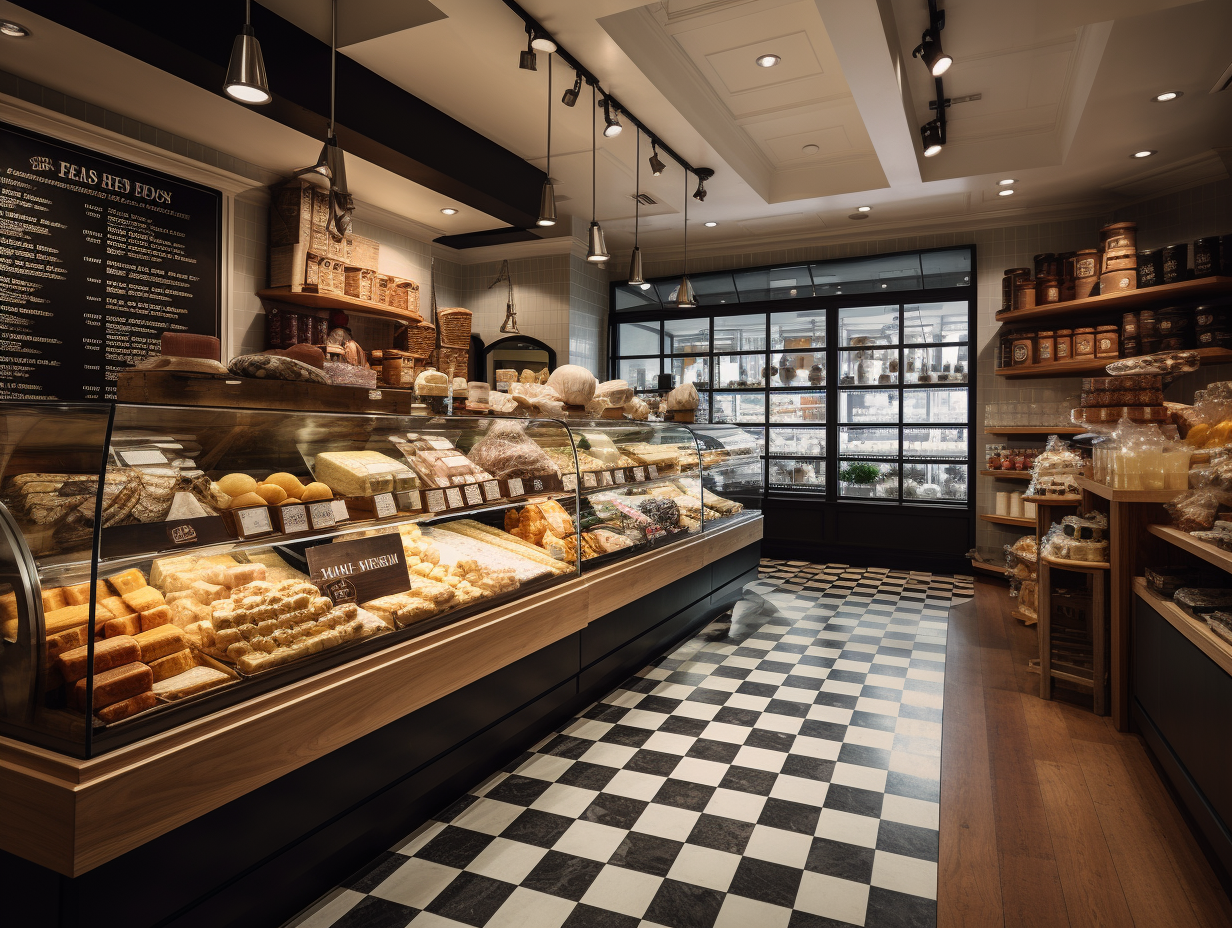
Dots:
pixel 71 815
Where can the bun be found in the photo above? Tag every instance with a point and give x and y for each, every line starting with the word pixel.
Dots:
pixel 289 482
pixel 246 499
pixel 316 491
pixel 271 493
pixel 237 485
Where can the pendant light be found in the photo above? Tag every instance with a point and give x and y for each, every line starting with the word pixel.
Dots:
pixel 597 252
pixel 684 293
pixel 246 80
pixel 510 325
pixel 635 260
pixel 331 164
pixel 547 196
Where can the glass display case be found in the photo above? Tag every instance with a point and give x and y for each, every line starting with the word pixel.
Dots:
pixel 159 563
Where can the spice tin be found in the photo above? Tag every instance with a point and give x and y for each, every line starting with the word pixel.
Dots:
pixel 1045 347
pixel 1086 272
pixel 1084 343
pixel 1064 344
pixel 1175 262
pixel 1129 325
pixel 1150 268
pixel 1007 285
pixel 1024 349
pixel 1046 265
pixel 1107 342
pixel 1206 257
pixel 1129 347
pixel 1024 293
pixel 1120 261
pixel 1047 290
pixel 1119 235
pixel 1118 281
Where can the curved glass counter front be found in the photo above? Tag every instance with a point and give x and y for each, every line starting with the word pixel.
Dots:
pixel 158 563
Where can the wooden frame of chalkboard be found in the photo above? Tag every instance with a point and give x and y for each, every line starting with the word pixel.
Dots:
pixel 105 255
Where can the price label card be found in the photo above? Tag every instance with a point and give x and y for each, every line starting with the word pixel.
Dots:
pixel 491 491
pixel 473 496
pixel 618 476
pixel 605 478
pixel 453 496
pixel 409 500
pixel 537 485
pixel 374 394
pixel 340 510
pixel 294 518
pixel 515 487
pixel 654 471
pixel 359 570
pixel 435 500
pixel 144 456
pixel 384 506
pixel 321 515
pixel 254 521
pixel 639 475
pixel 589 480
pixel 570 482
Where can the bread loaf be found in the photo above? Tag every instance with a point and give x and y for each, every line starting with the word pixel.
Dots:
pixel 65 641
pixel 172 664
pixel 128 582
pixel 128 625
pixel 144 599
pixel 127 708
pixel 115 685
pixel 8 616
pixel 113 652
pixel 53 599
pixel 190 682
pixel 117 606
pixel 61 620
pixel 153 618
pixel 159 642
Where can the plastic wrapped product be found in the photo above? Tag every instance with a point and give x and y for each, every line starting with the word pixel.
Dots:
pixel 1164 362
pixel 682 397
pixel 272 367
pixel 348 375
pixel 1167 580
pixel 1221 624
pixel 1202 601
pixel 505 451
pixel 574 384
pixel 1195 510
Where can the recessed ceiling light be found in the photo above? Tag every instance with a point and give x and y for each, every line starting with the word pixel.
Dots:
pixel 1006 182
pixel 645 286
pixel 864 209
pixel 1167 96
pixel 1007 192
pixel 767 61
pixel 449 211
pixel 711 224
pixel 13 30
pixel 883 286
pixel 1145 153
pixel 811 149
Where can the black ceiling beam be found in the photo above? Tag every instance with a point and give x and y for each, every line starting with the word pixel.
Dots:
pixel 377 120
pixel 587 76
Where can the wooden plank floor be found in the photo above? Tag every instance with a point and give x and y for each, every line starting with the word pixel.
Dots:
pixel 1049 816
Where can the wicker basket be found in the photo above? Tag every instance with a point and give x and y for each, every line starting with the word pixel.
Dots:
pixel 403 295
pixel 455 324
pixel 418 340
pixel 360 283
pixel 453 359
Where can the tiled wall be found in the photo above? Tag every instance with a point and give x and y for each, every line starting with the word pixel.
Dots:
pixel 588 297
pixel 249 272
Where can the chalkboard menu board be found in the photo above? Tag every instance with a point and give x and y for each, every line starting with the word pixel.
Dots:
pixel 98 257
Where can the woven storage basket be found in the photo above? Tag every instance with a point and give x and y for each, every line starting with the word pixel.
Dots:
pixel 455 324
pixel 456 359
pixel 403 295
pixel 420 340
pixel 360 283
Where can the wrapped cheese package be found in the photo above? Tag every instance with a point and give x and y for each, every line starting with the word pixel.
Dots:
pixel 573 383
pixel 505 451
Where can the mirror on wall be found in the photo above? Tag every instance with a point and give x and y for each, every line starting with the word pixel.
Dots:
pixel 518 353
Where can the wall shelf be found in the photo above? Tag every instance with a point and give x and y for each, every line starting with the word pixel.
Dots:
pixel 1007 474
pixel 1186 542
pixel 1120 302
pixel 1076 368
pixel 1197 632
pixel 1128 496
pixel 332 301
pixel 1007 520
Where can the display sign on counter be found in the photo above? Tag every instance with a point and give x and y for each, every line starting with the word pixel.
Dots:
pixel 101 256
pixel 361 570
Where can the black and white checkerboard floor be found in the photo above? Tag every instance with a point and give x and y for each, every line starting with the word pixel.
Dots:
pixel 783 772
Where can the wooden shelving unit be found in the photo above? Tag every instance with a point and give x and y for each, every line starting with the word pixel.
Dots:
pixel 1007 474
pixel 1197 632
pixel 1008 520
pixel 1065 564
pixel 1012 430
pixel 1186 542
pixel 1120 302
pixel 332 301
pixel 1128 496
pixel 1076 368
pixel 985 567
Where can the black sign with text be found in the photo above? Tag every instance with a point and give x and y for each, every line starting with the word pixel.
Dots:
pixel 100 257
pixel 361 570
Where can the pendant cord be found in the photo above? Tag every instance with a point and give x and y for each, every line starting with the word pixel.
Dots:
pixel 594 142
pixel 549 117
pixel 333 56
pixel 248 12
pixel 637 183
pixel 686 222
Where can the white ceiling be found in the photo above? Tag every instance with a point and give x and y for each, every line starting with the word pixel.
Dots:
pixel 1065 91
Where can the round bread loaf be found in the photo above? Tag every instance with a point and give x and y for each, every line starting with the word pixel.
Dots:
pixel 237 484
pixel 271 493
pixel 246 499
pixel 289 482
pixel 316 491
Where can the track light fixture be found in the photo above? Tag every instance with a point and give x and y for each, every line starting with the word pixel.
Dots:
pixel 929 50
pixel 933 136
pixel 527 60
pixel 596 253
pixel 703 175
pixel 570 96
pixel 611 116
pixel 246 80
pixel 541 41
pixel 657 167
pixel 547 196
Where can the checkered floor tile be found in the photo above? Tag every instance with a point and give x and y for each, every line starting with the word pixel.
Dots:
pixel 780 770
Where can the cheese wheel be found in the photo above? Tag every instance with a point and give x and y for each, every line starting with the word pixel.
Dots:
pixel 187 345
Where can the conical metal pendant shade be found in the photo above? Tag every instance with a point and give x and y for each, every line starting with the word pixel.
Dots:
pixel 547 205
pixel 510 325
pixel 321 167
pixel 685 298
pixel 597 252
pixel 635 266
pixel 246 79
